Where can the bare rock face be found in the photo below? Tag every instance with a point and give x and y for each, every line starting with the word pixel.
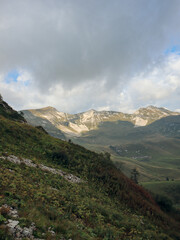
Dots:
pixel 150 114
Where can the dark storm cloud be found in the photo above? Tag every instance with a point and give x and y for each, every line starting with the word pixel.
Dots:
pixel 76 41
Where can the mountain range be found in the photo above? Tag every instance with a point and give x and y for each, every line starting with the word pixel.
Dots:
pixel 59 123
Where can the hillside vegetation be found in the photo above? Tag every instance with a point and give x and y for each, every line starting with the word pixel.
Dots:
pixel 8 112
pixel 169 189
pixel 153 149
pixel 104 205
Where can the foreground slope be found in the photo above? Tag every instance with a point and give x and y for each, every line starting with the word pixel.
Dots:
pixel 103 205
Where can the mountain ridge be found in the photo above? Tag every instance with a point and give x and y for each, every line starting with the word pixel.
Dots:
pixel 76 124
pixel 8 112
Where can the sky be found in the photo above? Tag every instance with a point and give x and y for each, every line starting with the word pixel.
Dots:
pixel 77 55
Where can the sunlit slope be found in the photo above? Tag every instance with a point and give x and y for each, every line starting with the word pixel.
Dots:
pixel 76 124
pixel 45 123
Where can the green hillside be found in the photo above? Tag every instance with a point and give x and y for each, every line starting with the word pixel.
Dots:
pixel 169 189
pixel 105 204
pixel 8 112
pixel 153 149
pixel 124 132
pixel 154 160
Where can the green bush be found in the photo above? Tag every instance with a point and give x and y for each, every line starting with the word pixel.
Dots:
pixel 164 202
pixel 2 219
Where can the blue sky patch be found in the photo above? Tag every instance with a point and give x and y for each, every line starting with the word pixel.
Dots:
pixel 12 76
pixel 173 49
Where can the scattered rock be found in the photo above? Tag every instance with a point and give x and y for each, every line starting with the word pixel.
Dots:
pixel 51 231
pixel 19 233
pixel 14 229
pixel 72 178
pixel 29 163
pixel 27 232
pixel 11 212
pixel 69 177
pixel 13 159
pixel 11 224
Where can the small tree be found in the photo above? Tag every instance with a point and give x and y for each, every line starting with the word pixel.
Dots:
pixel 164 202
pixel 135 175
pixel 107 155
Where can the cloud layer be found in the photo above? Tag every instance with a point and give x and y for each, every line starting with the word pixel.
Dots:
pixel 77 55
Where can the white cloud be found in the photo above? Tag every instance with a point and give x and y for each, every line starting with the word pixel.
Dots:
pixel 24 77
pixel 77 55
pixel 159 86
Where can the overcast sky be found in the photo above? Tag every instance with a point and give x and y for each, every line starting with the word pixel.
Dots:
pixel 81 54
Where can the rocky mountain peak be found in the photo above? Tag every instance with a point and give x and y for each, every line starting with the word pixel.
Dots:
pixel 147 115
pixel 91 111
pixel 75 124
pixel 151 107
pixel 48 108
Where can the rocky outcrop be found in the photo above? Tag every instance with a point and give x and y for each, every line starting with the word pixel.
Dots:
pixel 18 232
pixel 69 177
pixel 9 211
pixel 12 224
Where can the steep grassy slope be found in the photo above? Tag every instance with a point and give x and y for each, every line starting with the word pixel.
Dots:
pixel 8 112
pixel 107 205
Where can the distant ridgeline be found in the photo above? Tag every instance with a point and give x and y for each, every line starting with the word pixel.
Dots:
pixel 76 125
pixel 54 189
